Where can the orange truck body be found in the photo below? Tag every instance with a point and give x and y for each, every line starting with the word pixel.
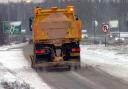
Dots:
pixel 59 31
pixel 55 23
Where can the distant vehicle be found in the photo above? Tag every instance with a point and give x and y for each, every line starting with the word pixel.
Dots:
pixel 119 37
pixel 119 40
pixel 119 34
pixel 84 34
pixel 56 37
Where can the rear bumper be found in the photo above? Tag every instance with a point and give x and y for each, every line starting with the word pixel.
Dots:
pixel 63 63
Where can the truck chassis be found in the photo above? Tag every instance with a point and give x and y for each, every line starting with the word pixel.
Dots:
pixel 68 56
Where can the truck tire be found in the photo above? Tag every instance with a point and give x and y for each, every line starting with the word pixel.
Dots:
pixel 77 67
pixel 69 68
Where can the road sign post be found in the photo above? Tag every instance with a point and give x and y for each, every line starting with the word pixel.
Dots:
pixel 105 28
pixel 12 28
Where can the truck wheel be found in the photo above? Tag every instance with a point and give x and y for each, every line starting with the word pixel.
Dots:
pixel 69 67
pixel 79 66
pixel 32 66
pixel 38 69
pixel 75 67
pixel 32 62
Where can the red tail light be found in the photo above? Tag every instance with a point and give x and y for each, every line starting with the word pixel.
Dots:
pixel 76 50
pixel 40 51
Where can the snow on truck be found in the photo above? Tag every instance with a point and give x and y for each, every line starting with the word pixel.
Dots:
pixel 56 37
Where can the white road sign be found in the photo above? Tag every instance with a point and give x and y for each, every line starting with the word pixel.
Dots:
pixel 105 28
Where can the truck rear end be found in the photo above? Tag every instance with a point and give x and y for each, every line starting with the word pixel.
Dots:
pixel 56 37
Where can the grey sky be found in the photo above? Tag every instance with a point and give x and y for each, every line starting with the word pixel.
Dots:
pixel 6 1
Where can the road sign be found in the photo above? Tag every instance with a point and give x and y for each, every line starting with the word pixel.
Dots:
pixel 6 26
pixel 114 23
pixel 15 27
pixel 105 28
pixel 12 27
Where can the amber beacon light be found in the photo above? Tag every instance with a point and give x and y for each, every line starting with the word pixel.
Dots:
pixel 71 9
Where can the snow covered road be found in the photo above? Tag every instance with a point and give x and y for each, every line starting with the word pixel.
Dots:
pixel 113 60
pixel 15 70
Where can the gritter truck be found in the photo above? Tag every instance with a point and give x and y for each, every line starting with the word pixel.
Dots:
pixel 56 35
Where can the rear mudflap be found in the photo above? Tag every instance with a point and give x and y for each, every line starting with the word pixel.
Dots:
pixel 66 63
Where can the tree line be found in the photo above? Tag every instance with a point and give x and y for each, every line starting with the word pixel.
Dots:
pixel 86 10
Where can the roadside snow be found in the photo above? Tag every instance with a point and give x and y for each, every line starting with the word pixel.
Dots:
pixel 9 80
pixel 7 47
pixel 15 70
pixel 112 59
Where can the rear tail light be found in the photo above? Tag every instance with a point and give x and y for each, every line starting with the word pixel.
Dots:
pixel 40 51
pixel 76 50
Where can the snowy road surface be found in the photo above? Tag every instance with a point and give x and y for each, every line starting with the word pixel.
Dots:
pixel 111 59
pixel 15 66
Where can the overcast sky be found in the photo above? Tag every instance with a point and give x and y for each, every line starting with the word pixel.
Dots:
pixel 6 1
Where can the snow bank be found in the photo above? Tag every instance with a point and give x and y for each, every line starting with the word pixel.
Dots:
pixel 7 47
pixel 15 70
pixel 14 85
pixel 112 59
pixel 9 80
